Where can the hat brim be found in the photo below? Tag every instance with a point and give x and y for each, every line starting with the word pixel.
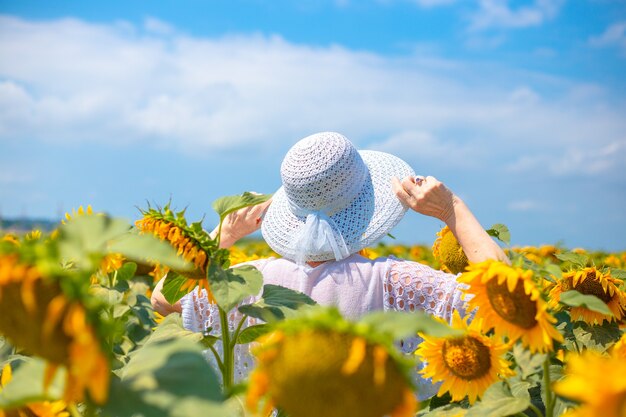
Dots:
pixel 367 219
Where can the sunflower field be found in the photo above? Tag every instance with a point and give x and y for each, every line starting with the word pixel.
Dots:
pixel 79 336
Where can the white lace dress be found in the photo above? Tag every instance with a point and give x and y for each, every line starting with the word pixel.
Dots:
pixel 356 285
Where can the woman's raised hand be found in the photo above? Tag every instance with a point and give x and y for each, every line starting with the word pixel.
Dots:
pixel 241 223
pixel 426 195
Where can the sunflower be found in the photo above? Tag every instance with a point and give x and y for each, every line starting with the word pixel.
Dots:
pixel 612 260
pixel 530 252
pixel 189 241
pixel 416 253
pixel 38 409
pixel 311 370
pixel 238 256
pixel 36 315
pixel 369 253
pixel 448 252
pixel 10 238
pixel 619 348
pixel 507 299
pixel 590 281
pixel 597 382
pixel 466 364
pixel 80 212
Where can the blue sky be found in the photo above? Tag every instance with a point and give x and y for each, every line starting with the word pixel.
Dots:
pixel 518 106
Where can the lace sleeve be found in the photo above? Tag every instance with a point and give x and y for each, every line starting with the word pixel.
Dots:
pixel 411 286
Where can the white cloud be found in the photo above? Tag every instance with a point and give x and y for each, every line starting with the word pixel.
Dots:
pixel 158 26
pixel 524 95
pixel 71 81
pixel 591 160
pixel 423 147
pixel 499 14
pixel 614 35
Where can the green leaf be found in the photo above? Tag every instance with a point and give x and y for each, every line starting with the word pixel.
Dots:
pixel 528 363
pixel 519 389
pixel 226 205
pixel 84 239
pixel 618 273
pixel 167 377
pixel 209 340
pixel 596 337
pixel 276 295
pixel 500 232
pixel 498 401
pixel 173 366
pixel 276 303
pixel 171 289
pixel 250 334
pixel 26 385
pixel 573 298
pixel 127 271
pixel 172 328
pixel 576 259
pixel 552 270
pixel 148 249
pixel 231 286
pixel 451 410
pixel 398 324
pixel 109 295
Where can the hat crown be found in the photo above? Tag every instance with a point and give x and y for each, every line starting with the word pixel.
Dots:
pixel 323 172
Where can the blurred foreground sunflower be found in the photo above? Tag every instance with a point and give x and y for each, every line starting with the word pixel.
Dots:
pixel 591 281
pixel 38 409
pixel 597 382
pixel 36 315
pixel 508 300
pixel 467 365
pixel 328 368
pixel 449 252
pixel 190 241
pixel 619 348
pixel 111 261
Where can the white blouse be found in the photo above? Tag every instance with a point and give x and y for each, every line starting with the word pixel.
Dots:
pixel 355 285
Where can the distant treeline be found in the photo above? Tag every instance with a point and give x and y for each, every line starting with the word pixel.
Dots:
pixel 22 225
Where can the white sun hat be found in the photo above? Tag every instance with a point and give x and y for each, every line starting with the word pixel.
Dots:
pixel 334 200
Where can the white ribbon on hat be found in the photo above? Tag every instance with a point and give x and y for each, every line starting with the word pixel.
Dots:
pixel 319 234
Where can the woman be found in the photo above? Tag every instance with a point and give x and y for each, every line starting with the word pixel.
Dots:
pixel 334 202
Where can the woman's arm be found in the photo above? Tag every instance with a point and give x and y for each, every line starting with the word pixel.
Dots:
pixel 160 304
pixel 431 197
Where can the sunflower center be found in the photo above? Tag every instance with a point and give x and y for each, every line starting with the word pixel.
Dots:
pixel 591 286
pixel 466 357
pixel 515 307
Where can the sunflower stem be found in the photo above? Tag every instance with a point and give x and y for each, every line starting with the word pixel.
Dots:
pixel 227 374
pixel 238 330
pixel 218 359
pixel 547 389
pixel 113 280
